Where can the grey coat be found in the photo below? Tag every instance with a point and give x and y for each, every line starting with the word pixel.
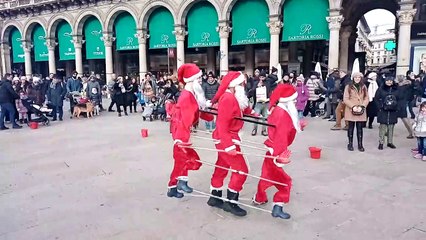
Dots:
pixel 56 94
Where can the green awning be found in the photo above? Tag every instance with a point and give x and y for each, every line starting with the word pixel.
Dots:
pixel 125 30
pixel 249 20
pixel 65 41
pixel 202 23
pixel 95 48
pixel 302 22
pixel 17 50
pixel 39 41
pixel 161 27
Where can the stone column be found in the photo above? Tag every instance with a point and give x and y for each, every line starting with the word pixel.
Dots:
pixel 224 31
pixel 78 44
pixel 211 60
pixel 27 46
pixel 51 46
pixel 275 30
pixel 5 58
pixel 334 23
pixel 249 59
pixel 109 69
pixel 344 48
pixel 142 39
pixel 405 18
pixel 180 34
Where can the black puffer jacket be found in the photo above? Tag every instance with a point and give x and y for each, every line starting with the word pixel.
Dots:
pixel 210 89
pixel 7 94
pixel 387 117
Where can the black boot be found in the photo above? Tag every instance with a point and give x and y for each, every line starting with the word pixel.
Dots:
pixel 183 186
pixel 233 207
pixel 390 145
pixel 359 137
pixel 380 146
pixel 277 212
pixel 351 142
pixel 216 202
pixel 173 192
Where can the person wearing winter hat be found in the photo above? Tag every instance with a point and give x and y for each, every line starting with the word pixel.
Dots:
pixel 232 103
pixel 184 115
pixel 284 117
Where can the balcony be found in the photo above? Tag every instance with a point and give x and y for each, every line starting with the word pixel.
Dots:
pixel 13 4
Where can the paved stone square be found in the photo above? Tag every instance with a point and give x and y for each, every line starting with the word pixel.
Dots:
pixel 98 179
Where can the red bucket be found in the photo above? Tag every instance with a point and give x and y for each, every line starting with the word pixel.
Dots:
pixel 315 152
pixel 33 125
pixel 144 133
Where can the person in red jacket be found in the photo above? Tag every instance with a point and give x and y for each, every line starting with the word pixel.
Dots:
pixel 285 118
pixel 232 103
pixel 184 115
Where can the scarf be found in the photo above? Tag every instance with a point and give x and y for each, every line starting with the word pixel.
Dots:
pixel 372 89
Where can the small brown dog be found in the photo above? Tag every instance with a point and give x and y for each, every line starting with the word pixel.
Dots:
pixel 87 109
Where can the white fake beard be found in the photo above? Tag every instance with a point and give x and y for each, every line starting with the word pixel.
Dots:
pixel 241 96
pixel 199 94
pixel 291 109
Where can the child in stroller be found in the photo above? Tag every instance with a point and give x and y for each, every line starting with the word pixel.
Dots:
pixel 39 111
pixel 150 109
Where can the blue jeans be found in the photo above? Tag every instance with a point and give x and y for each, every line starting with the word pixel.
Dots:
pixel 261 108
pixel 210 125
pixel 58 110
pixel 300 113
pixel 421 145
pixel 7 108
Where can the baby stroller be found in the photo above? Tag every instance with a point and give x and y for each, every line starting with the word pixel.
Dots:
pixel 321 106
pixel 161 109
pixel 150 109
pixel 38 111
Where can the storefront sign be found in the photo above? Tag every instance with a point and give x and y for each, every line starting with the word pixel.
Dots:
pixel 95 48
pixel 418 30
pixel 250 28
pixel 125 31
pixel 312 26
pixel 202 23
pixel 160 26
pixel 39 41
pixel 65 41
pixel 17 50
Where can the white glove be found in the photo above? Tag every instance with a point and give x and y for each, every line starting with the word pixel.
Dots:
pixel 208 103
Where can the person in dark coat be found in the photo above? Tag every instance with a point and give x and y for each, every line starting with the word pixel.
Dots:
pixel 210 88
pixel 411 100
pixel 7 102
pixel 387 100
pixel 132 92
pixel 405 89
pixel 261 89
pixel 272 78
pixel 56 95
pixel 120 95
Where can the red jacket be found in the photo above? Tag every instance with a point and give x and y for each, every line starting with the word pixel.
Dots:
pixel 185 114
pixel 284 133
pixel 227 127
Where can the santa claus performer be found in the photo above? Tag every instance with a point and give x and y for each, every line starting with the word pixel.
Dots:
pixel 232 103
pixel 184 115
pixel 284 117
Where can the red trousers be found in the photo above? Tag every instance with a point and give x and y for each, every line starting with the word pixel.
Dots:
pixel 185 160
pixel 273 172
pixel 234 162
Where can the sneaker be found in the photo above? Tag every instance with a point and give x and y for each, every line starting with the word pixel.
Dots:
pixel 4 128
pixel 17 127
pixel 410 137
pixel 424 158
pixel 418 156
pixel 335 128
pixel 415 150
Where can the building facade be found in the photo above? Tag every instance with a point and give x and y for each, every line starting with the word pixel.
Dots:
pixel 141 35
pixel 384 47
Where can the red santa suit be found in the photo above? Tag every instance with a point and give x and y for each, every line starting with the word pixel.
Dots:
pixel 279 139
pixel 228 140
pixel 185 114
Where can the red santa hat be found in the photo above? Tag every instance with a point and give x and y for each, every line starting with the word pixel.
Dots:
pixel 283 93
pixel 232 79
pixel 188 73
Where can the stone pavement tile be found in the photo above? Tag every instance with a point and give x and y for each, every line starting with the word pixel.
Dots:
pixel 412 234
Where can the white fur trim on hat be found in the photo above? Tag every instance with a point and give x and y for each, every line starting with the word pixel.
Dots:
pixel 288 99
pixel 237 81
pixel 192 78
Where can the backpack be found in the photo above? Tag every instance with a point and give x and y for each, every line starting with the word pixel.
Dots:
pixel 390 103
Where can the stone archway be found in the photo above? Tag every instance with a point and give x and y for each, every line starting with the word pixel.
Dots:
pixel 150 7
pixel 114 12
pixel 187 5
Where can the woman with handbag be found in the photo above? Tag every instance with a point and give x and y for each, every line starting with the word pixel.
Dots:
pixel 356 100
